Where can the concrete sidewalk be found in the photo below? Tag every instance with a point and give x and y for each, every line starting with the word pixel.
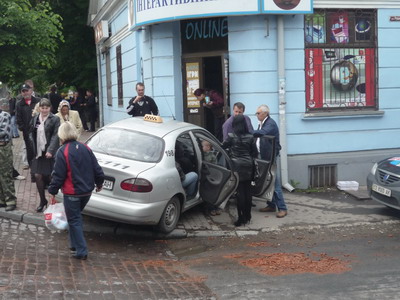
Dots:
pixel 305 211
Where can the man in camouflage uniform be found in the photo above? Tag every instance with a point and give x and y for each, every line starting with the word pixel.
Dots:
pixel 7 189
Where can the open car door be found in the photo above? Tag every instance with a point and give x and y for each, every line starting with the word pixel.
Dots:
pixel 265 183
pixel 217 180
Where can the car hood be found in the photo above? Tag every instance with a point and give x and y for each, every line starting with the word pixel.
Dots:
pixel 391 165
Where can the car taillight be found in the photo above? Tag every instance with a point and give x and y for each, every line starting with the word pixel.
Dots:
pixel 138 185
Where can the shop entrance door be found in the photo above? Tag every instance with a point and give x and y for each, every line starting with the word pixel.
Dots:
pixel 208 71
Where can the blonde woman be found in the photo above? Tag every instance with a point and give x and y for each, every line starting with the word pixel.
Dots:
pixel 77 173
pixel 66 114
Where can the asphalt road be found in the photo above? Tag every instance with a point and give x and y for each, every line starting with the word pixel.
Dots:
pixel 359 262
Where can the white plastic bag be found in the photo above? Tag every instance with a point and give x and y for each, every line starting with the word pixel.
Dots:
pixel 55 218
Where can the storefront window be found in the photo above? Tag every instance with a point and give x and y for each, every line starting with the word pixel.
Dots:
pixel 340 60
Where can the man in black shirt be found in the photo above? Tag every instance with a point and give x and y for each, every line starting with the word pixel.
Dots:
pixel 54 98
pixel 141 104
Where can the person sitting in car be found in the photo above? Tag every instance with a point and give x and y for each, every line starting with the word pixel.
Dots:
pixel 188 178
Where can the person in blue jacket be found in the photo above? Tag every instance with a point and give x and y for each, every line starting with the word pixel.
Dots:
pixel 267 126
pixel 76 172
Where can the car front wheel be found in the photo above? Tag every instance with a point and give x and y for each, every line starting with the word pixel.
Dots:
pixel 170 216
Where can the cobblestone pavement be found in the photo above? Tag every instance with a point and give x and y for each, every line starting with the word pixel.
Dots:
pixel 36 264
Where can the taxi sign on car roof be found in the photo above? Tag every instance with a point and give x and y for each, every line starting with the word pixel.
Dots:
pixel 152 118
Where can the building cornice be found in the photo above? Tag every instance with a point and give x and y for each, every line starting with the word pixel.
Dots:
pixel 96 14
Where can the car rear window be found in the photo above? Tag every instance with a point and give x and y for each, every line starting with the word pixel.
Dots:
pixel 127 144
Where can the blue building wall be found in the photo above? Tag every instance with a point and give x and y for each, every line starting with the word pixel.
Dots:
pixel 153 55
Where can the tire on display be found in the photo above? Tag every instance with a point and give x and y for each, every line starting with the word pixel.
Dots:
pixel 170 216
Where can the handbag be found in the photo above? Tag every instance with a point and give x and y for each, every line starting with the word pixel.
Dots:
pixel 55 217
pixel 256 171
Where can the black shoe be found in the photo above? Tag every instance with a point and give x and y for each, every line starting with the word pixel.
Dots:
pixel 33 179
pixel 238 223
pixel 41 207
pixel 253 205
pixel 11 207
pixel 84 257
pixel 2 205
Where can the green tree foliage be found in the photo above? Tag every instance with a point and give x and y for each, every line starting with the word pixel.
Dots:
pixel 29 38
pixel 76 59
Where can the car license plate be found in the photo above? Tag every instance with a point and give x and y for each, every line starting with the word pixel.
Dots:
pixel 381 190
pixel 108 185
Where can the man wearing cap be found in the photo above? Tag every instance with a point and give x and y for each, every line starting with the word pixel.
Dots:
pixel 7 189
pixel 24 110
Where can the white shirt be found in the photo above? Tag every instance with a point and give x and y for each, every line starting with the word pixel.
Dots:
pixel 260 124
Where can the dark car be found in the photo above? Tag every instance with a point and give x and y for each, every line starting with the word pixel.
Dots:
pixel 383 182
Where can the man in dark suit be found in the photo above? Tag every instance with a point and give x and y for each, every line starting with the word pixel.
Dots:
pixel 268 126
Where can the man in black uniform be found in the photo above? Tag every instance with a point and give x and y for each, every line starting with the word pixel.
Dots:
pixel 141 104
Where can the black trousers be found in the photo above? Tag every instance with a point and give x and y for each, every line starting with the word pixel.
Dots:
pixel 244 198
pixel 92 119
pixel 82 115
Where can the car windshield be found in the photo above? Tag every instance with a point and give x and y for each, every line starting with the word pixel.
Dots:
pixel 127 144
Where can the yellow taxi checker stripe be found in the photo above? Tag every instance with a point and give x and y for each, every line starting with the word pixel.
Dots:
pixel 152 118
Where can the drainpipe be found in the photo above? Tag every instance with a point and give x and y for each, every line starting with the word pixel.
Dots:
pixel 282 103
pixel 100 86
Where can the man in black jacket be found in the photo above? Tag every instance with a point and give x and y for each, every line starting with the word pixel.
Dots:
pixel 24 110
pixel 141 104
pixel 91 109
pixel 54 98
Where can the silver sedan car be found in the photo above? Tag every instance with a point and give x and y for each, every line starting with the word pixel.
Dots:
pixel 142 183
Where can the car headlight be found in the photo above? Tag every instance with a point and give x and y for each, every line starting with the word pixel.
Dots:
pixel 374 167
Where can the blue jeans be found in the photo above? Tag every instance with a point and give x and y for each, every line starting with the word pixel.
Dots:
pixel 277 198
pixel 73 207
pixel 190 183
pixel 14 129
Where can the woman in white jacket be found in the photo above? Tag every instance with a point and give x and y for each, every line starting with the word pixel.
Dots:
pixel 66 114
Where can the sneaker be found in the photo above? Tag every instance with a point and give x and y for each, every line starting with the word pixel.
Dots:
pixel 281 214
pixel 213 212
pixel 267 209
pixel 20 177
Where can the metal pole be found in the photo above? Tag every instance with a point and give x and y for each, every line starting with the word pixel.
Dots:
pixel 282 102
pixel 100 86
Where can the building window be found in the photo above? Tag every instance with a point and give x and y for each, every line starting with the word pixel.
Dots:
pixel 341 59
pixel 119 77
pixel 108 78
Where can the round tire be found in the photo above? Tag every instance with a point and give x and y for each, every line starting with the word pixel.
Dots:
pixel 170 216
